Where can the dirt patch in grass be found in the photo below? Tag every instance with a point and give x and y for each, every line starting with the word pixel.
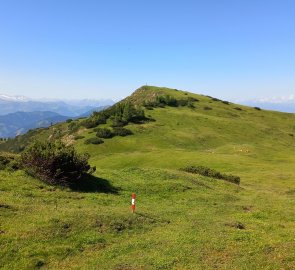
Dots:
pixel 130 223
pixel 238 225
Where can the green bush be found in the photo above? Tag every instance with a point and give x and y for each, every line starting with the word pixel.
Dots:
pixel 9 161
pixel 95 120
pixel 73 127
pixel 94 140
pixel 257 108
pixel 206 108
pixel 205 171
pixel 104 133
pixel 55 163
pixel 119 131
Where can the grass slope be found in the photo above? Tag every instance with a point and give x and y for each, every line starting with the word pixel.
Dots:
pixel 183 221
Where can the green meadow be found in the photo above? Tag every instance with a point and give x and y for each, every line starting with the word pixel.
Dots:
pixel 182 220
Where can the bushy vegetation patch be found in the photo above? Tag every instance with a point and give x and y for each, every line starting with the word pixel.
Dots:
pixel 73 127
pixel 225 102
pixel 120 131
pixel 238 108
pixel 217 99
pixel 107 133
pixel 257 108
pixel 120 115
pixel 9 161
pixel 205 171
pixel 104 133
pixel 55 163
pixel 96 119
pixel 167 100
pixel 206 108
pixel 94 140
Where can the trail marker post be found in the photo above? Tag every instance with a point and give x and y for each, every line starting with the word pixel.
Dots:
pixel 133 202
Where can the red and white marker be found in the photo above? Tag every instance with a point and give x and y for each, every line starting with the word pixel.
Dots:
pixel 133 202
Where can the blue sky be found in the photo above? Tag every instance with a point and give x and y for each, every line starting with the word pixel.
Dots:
pixel 232 49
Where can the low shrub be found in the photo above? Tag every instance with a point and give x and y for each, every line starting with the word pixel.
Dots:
pixel 94 121
pixel 9 161
pixel 238 108
pixel 191 105
pixel 118 123
pixel 73 127
pixel 104 133
pixel 257 108
pixel 55 163
pixel 94 140
pixel 225 102
pixel 205 171
pixel 206 108
pixel 119 131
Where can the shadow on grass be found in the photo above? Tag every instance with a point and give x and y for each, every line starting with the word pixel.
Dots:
pixel 91 183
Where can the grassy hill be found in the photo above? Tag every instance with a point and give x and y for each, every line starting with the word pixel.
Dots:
pixel 183 220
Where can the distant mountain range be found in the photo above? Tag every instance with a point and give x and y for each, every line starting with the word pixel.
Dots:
pixel 71 108
pixel 14 124
pixel 18 114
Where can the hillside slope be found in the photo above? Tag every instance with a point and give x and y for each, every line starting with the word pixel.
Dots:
pixel 183 220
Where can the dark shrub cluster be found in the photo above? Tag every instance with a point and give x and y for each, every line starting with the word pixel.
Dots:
pixel 55 163
pixel 95 120
pixel 120 114
pixel 167 100
pixel 206 108
pixel 116 131
pixel 119 131
pixel 205 171
pixel 238 108
pixel 94 140
pixel 217 99
pixel 104 133
pixel 257 108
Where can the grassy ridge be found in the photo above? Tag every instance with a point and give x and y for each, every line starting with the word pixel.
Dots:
pixel 183 221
